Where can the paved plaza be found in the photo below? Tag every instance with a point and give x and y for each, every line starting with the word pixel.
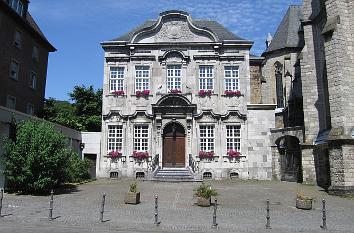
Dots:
pixel 241 209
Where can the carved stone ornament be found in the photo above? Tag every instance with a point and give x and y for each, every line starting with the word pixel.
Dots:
pixel 175 30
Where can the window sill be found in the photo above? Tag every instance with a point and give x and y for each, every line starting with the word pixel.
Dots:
pixel 207 160
pixel 238 159
pixel 231 96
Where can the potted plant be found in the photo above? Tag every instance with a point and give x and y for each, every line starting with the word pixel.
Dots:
pixel 204 193
pixel 132 197
pixel 303 202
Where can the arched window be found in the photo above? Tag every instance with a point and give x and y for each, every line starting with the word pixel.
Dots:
pixel 279 84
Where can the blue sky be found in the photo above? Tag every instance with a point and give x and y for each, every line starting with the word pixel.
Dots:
pixel 77 27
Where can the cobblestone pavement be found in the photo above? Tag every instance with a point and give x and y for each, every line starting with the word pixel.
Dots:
pixel 241 209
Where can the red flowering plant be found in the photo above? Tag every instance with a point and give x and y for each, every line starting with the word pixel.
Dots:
pixel 140 155
pixel 203 93
pixel 144 93
pixel 206 154
pixel 114 154
pixel 118 93
pixel 233 153
pixel 175 91
pixel 233 93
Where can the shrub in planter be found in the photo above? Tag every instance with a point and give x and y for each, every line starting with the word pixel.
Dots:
pixel 303 202
pixel 204 193
pixel 133 196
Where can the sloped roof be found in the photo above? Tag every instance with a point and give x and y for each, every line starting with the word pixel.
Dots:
pixel 220 31
pixel 287 34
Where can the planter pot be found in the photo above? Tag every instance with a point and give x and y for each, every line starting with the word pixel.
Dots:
pixel 132 198
pixel 304 204
pixel 205 202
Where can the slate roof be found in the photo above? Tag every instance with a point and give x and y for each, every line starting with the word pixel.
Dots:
pixel 287 34
pixel 220 31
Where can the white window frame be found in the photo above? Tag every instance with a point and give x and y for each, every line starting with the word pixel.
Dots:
pixel 207 138
pixel 142 77
pixel 17 6
pixel 141 138
pixel 233 137
pixel 14 73
pixel 17 38
pixel 232 78
pixel 116 78
pixel 35 53
pixel 13 99
pixel 114 138
pixel 33 80
pixel 30 109
pixel 174 77
pixel 206 77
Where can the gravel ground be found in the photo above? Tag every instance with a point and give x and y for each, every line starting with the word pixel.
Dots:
pixel 241 208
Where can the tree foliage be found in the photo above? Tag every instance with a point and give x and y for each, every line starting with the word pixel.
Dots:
pixel 39 158
pixel 83 114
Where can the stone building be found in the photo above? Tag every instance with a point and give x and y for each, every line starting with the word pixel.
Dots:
pixel 184 96
pixel 24 57
pixel 309 66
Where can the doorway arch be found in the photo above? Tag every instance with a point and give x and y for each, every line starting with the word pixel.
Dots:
pixel 174 145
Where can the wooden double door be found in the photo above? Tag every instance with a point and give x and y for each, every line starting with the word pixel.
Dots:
pixel 174 146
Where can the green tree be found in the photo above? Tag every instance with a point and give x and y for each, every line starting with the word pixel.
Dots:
pixel 88 106
pixel 38 159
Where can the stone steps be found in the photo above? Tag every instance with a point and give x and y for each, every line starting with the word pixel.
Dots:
pixel 174 175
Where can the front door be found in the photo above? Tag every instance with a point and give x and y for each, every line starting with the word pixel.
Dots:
pixel 173 146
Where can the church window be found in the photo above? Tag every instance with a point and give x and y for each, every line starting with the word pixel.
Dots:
pixel 116 79
pixel 233 137
pixel 232 80
pixel 142 78
pixel 206 78
pixel 279 85
pixel 141 138
pixel 174 75
pixel 207 138
pixel 115 138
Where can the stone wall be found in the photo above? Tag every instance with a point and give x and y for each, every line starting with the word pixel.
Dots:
pixel 256 95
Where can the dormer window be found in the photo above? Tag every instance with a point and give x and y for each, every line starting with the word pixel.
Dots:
pixel 16 5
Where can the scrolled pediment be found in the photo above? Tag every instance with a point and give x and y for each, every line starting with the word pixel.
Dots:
pixel 173 26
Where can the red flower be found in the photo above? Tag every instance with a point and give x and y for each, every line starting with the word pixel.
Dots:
pixel 233 153
pixel 119 93
pixel 175 91
pixel 115 154
pixel 140 154
pixel 142 93
pixel 206 154
pixel 233 93
pixel 203 93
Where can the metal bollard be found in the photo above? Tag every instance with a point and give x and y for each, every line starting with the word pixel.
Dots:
pixel 51 205
pixel 1 198
pixel 156 212
pixel 268 216
pixel 102 207
pixel 324 218
pixel 214 225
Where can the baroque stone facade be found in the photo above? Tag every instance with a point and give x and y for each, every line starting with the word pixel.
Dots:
pixel 313 46
pixel 184 93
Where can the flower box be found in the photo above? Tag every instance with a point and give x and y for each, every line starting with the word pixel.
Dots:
pixel 115 154
pixel 144 93
pixel 230 93
pixel 204 202
pixel 132 198
pixel 206 154
pixel 140 155
pixel 204 93
pixel 233 154
pixel 175 91
pixel 118 93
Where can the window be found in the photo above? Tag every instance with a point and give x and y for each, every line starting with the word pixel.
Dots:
pixel 142 78
pixel 17 5
pixel 141 138
pixel 116 79
pixel 17 38
pixel 30 109
pixel 14 69
pixel 35 53
pixel 174 74
pixel 279 84
pixel 11 102
pixel 232 81
pixel 206 78
pixel 115 138
pixel 207 138
pixel 33 81
pixel 233 137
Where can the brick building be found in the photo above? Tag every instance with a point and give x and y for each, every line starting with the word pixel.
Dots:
pixel 24 57
pixel 309 68
pixel 185 95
